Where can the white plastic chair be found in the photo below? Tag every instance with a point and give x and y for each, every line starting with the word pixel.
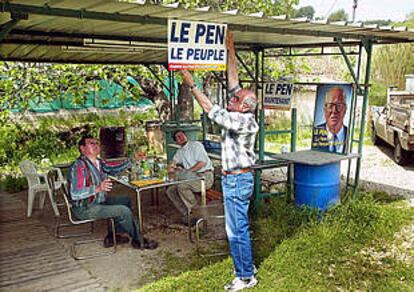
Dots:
pixel 37 179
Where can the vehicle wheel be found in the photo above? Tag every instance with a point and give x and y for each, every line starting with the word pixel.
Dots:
pixel 400 155
pixel 374 138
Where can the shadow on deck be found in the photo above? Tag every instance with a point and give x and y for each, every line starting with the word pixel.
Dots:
pixel 31 258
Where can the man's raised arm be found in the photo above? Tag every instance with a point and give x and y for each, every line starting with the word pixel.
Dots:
pixel 233 76
pixel 202 99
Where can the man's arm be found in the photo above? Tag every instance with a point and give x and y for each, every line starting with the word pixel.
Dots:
pixel 172 166
pixel 202 99
pixel 78 185
pixel 115 167
pixel 233 76
pixel 199 165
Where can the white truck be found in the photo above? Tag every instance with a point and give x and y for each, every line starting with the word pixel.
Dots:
pixel 394 123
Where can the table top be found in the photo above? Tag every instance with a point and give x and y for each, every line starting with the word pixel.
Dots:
pixel 124 181
pixel 313 157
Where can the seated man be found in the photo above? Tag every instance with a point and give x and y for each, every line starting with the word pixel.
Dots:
pixel 190 158
pixel 88 187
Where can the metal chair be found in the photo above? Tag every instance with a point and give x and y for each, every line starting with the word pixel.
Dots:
pixel 37 180
pixel 74 222
pixel 209 228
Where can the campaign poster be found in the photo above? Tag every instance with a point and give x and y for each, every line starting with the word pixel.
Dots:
pixel 196 45
pixel 278 95
pixel 332 117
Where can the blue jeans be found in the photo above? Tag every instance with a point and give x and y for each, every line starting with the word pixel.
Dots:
pixel 118 207
pixel 237 190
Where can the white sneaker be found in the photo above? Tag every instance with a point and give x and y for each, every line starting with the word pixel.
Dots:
pixel 239 284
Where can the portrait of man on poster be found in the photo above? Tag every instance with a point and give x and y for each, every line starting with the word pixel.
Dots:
pixel 331 121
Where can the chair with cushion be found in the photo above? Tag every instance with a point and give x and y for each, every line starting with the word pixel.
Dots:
pixel 37 180
pixel 75 222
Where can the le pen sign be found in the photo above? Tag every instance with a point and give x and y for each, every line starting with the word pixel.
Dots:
pixel 196 45
pixel 278 95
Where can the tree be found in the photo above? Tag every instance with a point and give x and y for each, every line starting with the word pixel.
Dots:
pixel 24 82
pixel 378 21
pixel 306 11
pixel 410 16
pixel 339 15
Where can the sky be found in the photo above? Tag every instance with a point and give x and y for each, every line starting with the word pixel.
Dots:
pixel 396 10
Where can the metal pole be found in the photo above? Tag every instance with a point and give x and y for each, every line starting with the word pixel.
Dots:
pixel 294 117
pixel 368 48
pixel 352 116
pixel 354 7
pixel 257 185
pixel 172 102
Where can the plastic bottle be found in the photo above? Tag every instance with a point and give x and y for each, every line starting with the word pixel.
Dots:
pixel 146 170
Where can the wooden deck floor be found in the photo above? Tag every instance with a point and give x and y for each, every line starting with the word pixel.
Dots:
pixel 33 259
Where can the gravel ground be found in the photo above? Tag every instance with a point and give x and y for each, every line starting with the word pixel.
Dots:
pixel 380 172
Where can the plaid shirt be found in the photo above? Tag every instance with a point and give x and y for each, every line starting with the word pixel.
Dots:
pixel 238 136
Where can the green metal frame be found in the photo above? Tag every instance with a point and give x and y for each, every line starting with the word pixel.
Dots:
pixel 21 11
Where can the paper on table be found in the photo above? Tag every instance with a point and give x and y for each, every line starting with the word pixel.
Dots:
pixel 146 182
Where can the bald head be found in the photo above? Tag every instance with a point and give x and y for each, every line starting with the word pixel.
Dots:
pixel 244 100
pixel 335 109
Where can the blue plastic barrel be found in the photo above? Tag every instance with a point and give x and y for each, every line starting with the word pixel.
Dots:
pixel 317 186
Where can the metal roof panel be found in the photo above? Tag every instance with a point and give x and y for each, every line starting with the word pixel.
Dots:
pixel 54 23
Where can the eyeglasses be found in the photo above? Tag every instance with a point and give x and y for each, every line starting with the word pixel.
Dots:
pixel 93 143
pixel 235 98
pixel 337 106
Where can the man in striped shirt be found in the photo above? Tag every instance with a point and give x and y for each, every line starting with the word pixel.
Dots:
pixel 239 130
pixel 89 184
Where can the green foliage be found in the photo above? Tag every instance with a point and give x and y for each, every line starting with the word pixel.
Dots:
pixel 282 121
pixel 12 184
pixel 339 15
pixel 306 11
pixel 378 21
pixel 390 64
pixel 55 138
pixel 339 252
pixel 27 82
pixel 378 94
pixel 269 7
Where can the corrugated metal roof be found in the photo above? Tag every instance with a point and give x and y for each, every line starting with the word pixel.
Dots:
pixel 54 31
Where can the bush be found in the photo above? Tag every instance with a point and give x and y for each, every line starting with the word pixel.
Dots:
pixel 12 184
pixel 54 138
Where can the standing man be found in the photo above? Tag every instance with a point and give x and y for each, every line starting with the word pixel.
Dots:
pixel 193 158
pixel 239 130
pixel 331 136
pixel 89 184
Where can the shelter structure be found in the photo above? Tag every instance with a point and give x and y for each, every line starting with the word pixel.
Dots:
pixel 113 32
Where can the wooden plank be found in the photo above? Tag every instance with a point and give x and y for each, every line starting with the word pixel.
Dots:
pixel 31 258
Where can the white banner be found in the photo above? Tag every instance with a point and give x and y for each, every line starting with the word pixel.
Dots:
pixel 196 45
pixel 278 95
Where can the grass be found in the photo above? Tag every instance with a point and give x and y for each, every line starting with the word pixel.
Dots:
pixel 347 250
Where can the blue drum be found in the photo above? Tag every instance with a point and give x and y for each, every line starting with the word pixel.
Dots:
pixel 317 186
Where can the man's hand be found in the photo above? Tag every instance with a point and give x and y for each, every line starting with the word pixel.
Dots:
pixel 187 78
pixel 104 186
